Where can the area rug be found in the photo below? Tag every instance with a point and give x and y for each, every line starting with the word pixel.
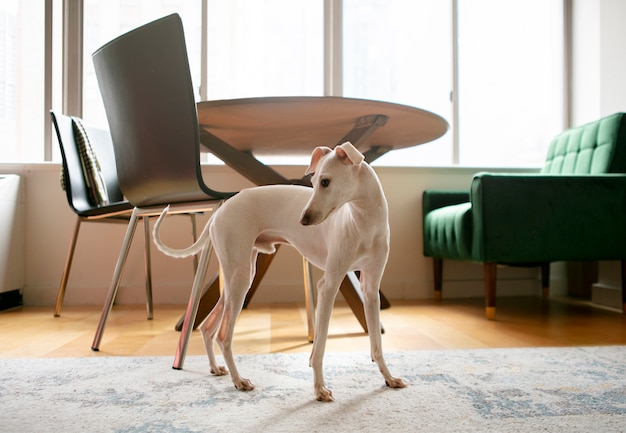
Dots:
pixel 498 390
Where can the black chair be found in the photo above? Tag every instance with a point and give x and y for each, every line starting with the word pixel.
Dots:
pixel 148 97
pixel 88 164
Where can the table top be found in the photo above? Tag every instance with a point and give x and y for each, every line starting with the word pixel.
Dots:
pixel 294 125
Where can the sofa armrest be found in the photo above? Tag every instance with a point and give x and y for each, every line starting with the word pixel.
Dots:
pixel 535 218
pixel 435 199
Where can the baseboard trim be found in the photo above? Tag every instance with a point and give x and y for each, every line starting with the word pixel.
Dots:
pixel 10 299
pixel 606 295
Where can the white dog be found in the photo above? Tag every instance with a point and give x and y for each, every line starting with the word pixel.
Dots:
pixel 340 225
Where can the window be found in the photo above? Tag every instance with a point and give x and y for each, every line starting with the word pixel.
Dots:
pixel 510 80
pixel 105 20
pixel 22 80
pixel 400 51
pixel 492 68
pixel 510 73
pixel 268 48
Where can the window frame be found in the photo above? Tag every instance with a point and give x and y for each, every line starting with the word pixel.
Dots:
pixel 72 77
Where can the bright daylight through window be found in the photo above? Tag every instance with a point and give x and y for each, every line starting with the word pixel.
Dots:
pixel 505 84
pixel 21 81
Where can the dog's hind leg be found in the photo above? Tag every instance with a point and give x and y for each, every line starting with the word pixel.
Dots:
pixel 209 328
pixel 236 285
pixel 225 339
pixel 370 284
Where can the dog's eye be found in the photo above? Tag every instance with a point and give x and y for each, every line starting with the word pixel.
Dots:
pixel 325 182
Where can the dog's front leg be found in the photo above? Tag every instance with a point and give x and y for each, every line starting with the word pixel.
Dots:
pixel 327 289
pixel 370 286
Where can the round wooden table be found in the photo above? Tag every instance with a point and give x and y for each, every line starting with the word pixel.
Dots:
pixel 295 125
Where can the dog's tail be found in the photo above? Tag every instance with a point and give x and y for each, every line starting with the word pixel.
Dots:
pixel 194 248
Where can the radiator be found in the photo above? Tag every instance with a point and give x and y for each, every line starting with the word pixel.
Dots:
pixel 11 234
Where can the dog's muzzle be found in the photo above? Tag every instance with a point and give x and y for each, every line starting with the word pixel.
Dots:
pixel 310 217
pixel 305 220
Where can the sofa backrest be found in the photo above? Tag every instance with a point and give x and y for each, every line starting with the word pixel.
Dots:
pixel 595 148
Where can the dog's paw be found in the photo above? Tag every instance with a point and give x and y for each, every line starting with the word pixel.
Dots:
pixel 324 394
pixel 219 371
pixel 395 383
pixel 244 385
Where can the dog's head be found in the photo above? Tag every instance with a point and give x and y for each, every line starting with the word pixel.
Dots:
pixel 334 181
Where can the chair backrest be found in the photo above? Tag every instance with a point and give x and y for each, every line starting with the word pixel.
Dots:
pixel 595 148
pixel 78 195
pixel 148 97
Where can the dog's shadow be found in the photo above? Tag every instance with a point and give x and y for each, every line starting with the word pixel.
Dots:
pixel 325 414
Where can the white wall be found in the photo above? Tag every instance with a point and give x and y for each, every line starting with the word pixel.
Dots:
pixel 599 64
pixel 49 223
pixel 599 89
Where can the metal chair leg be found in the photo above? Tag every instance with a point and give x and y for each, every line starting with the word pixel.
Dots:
pixel 148 267
pixel 115 283
pixel 194 302
pixel 192 307
pixel 66 270
pixel 194 234
pixel 309 298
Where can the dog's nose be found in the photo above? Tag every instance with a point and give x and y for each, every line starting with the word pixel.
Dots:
pixel 305 220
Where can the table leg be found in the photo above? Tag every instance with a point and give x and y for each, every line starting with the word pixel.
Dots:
pixel 363 128
pixel 242 162
pixel 350 289
pixel 210 295
pixel 211 291
pixel 263 263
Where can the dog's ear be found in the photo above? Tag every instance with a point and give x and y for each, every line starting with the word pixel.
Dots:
pixel 315 158
pixel 349 154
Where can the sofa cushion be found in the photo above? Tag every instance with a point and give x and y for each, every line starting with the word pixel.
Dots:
pixel 595 148
pixel 447 232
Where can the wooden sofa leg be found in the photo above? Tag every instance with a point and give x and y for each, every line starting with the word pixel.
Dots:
pixel 545 280
pixel 624 286
pixel 438 274
pixel 490 290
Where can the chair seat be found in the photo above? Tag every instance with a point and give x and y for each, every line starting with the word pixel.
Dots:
pixel 111 208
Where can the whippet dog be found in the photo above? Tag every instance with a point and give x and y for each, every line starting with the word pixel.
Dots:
pixel 339 225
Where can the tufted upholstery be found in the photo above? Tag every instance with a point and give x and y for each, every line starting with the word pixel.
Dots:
pixel 448 230
pixel 574 209
pixel 589 149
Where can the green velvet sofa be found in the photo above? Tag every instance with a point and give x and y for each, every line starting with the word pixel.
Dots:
pixel 574 209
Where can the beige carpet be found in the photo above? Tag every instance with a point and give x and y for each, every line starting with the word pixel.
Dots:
pixel 499 390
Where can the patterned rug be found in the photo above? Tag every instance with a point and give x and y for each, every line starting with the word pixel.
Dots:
pixel 498 390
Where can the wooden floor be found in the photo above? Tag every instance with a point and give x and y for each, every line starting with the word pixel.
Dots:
pixel 265 328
